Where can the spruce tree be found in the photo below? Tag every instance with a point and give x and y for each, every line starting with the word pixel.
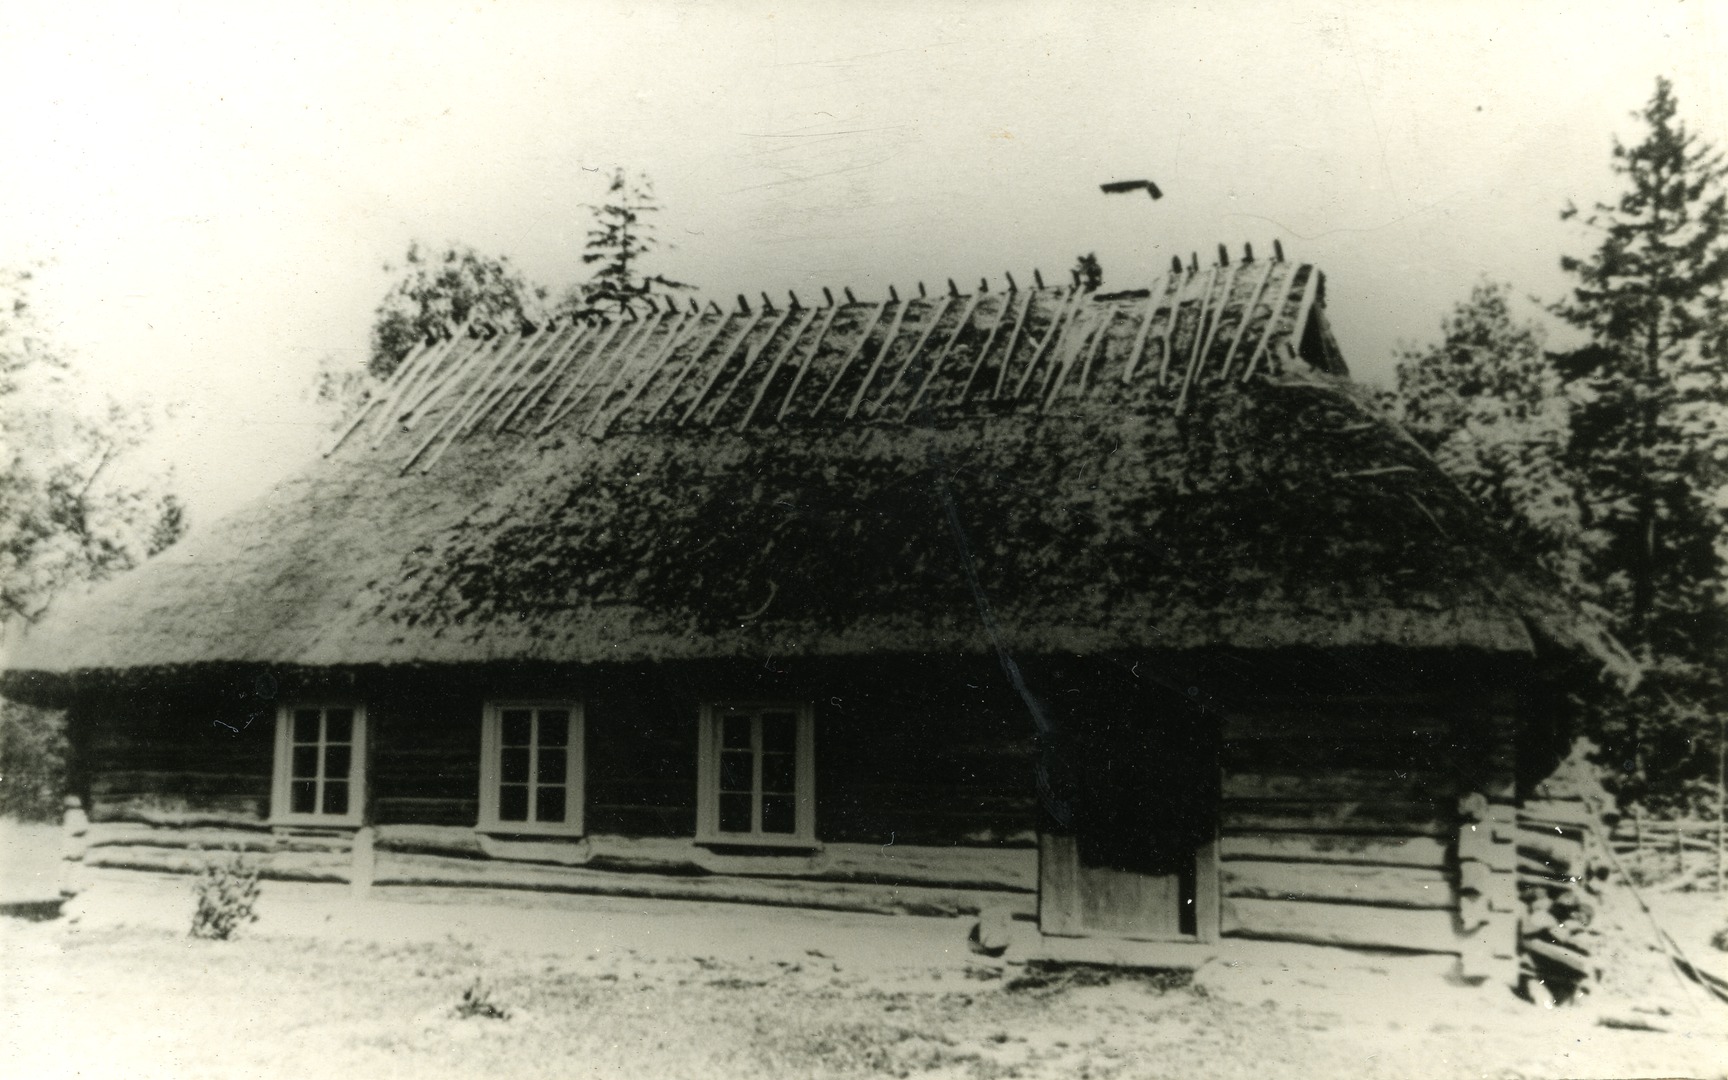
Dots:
pixel 622 236
pixel 1651 412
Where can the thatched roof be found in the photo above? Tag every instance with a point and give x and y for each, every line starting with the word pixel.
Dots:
pixel 1038 470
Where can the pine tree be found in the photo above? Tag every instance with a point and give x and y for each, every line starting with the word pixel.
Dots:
pixel 1649 431
pixel 623 236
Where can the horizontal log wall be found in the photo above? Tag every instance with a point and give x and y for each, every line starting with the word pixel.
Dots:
pixel 175 759
pixel 1337 820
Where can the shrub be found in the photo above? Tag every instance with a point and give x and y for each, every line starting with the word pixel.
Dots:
pixel 227 893
pixel 32 761
pixel 478 1002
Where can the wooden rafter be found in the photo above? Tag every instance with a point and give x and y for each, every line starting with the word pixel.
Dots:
pixel 935 318
pixel 772 367
pixel 941 357
pixel 821 336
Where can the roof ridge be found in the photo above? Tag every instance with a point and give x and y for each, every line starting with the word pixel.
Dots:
pixel 895 361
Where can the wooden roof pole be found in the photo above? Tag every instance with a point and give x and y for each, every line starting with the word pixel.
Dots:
pixel 941 357
pixel 1068 346
pixel 1275 318
pixel 1224 292
pixel 876 314
pixel 773 366
pixel 689 328
pixel 828 318
pixel 695 359
pixel 751 355
pixel 1060 322
pixel 508 349
pixel 508 378
pixel 567 336
pixel 562 356
pixel 473 349
pixel 1098 342
pixel 496 350
pixel 725 355
pixel 435 386
pixel 1013 343
pixel 430 368
pixel 1248 310
pixel 1194 353
pixel 522 382
pixel 1166 338
pixel 887 346
pixel 627 369
pixel 1153 299
pixel 621 356
pixel 601 341
pixel 942 307
pixel 389 389
pixel 984 350
pixel 1310 296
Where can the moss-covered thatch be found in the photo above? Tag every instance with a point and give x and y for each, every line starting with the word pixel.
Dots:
pixel 1102 479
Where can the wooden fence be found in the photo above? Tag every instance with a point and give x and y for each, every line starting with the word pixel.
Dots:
pixel 1692 847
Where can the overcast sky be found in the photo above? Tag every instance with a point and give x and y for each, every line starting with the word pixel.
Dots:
pixel 215 189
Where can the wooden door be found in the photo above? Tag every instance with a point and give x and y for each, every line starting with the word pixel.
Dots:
pixel 1138 859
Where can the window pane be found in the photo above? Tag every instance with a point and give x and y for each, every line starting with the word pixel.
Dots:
pixel 778 772
pixel 551 766
pixel 513 765
pixel 335 796
pixel 549 804
pixel 306 725
pixel 302 796
pixel 305 762
pixel 779 814
pixel 779 732
pixel 336 759
pixel 339 725
pixel 735 733
pixel 513 802
pixel 735 768
pixel 554 727
pixel 518 727
pixel 735 813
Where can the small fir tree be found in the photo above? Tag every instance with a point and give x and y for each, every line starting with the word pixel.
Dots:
pixel 622 237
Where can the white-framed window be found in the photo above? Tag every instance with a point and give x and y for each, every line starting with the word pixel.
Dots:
pixel 320 776
pixel 531 767
pixel 756 779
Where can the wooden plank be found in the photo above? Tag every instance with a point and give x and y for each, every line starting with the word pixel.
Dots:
pixel 179 782
pixel 398 870
pixel 1337 848
pixel 1125 903
pixel 1385 818
pixel 1352 925
pixel 1386 886
pixel 1058 885
pixel 176 810
pixel 1415 785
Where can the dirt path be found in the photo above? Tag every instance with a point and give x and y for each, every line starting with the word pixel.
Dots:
pixel 608 988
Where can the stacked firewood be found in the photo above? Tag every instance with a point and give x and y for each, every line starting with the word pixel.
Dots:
pixel 1559 876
